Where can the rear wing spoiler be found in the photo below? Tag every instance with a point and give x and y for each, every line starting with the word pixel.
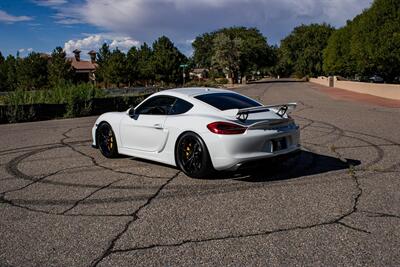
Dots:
pixel 281 110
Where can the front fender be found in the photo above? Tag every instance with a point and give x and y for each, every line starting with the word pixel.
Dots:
pixel 112 118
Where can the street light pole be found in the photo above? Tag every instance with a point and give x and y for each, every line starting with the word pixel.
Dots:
pixel 183 66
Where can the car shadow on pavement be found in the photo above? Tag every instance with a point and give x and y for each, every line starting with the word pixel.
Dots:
pixel 305 164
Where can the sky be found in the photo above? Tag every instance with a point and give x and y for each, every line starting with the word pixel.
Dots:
pixel 42 25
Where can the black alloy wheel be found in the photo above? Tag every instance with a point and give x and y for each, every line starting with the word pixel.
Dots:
pixel 192 156
pixel 106 141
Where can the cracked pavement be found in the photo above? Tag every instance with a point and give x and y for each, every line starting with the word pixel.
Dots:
pixel 63 204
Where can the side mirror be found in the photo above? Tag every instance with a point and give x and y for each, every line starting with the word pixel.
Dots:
pixel 131 112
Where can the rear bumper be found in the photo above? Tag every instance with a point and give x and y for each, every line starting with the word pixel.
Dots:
pixel 260 162
pixel 230 152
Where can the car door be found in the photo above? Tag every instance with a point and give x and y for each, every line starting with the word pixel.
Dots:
pixel 145 130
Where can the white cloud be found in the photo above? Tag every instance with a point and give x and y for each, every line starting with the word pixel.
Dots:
pixel 50 3
pixel 95 41
pixel 25 51
pixel 183 19
pixel 8 18
pixel 88 43
pixel 61 18
pixel 123 43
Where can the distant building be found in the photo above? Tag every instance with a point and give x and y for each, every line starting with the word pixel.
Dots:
pixel 199 73
pixel 45 56
pixel 84 70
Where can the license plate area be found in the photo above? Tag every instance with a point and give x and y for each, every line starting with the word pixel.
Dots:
pixel 278 144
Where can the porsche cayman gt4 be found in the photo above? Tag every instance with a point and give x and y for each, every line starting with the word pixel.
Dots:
pixel 199 130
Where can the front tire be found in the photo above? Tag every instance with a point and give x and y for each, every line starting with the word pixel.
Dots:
pixel 192 157
pixel 106 141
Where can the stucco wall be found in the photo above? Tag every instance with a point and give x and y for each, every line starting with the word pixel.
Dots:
pixel 320 80
pixel 391 91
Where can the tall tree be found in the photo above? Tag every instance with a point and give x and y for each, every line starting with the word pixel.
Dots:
pixel 59 68
pixel 166 60
pixel 255 53
pixel 227 54
pixel 103 57
pixel 104 53
pixel 338 59
pixel 280 67
pixel 203 50
pixel 145 66
pixel 10 70
pixel 132 71
pixel 116 67
pixel 369 44
pixel 32 71
pixel 303 49
pixel 3 73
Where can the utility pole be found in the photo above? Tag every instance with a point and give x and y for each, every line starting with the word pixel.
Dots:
pixel 183 66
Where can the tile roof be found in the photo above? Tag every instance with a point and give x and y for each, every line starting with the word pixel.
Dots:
pixel 82 64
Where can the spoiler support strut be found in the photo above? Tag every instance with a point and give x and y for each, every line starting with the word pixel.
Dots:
pixel 243 114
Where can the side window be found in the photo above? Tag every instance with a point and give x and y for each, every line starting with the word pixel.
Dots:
pixel 180 107
pixel 158 105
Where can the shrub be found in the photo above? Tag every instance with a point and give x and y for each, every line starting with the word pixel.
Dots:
pixel 203 83
pixel 60 94
pixel 222 80
pixel 18 113
pixel 76 97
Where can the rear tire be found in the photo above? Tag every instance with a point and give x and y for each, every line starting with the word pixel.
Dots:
pixel 192 157
pixel 106 141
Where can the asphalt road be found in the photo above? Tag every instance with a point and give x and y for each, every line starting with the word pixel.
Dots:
pixel 63 204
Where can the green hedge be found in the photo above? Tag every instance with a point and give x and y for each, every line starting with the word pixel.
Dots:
pixel 74 108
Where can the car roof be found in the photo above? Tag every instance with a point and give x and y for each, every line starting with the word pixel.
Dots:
pixel 193 91
pixel 190 93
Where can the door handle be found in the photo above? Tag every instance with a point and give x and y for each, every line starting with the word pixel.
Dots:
pixel 158 126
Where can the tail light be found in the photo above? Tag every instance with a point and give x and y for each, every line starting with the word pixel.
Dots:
pixel 221 127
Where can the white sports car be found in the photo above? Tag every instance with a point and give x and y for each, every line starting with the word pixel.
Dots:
pixel 199 130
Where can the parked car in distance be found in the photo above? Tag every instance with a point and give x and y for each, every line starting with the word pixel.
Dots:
pixel 376 79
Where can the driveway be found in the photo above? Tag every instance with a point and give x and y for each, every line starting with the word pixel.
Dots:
pixel 63 204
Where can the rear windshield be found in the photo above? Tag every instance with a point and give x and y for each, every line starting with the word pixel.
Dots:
pixel 224 101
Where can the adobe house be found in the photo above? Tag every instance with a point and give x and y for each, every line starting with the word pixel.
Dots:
pixel 84 70
pixel 199 73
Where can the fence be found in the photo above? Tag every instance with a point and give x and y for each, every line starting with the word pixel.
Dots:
pixel 391 91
